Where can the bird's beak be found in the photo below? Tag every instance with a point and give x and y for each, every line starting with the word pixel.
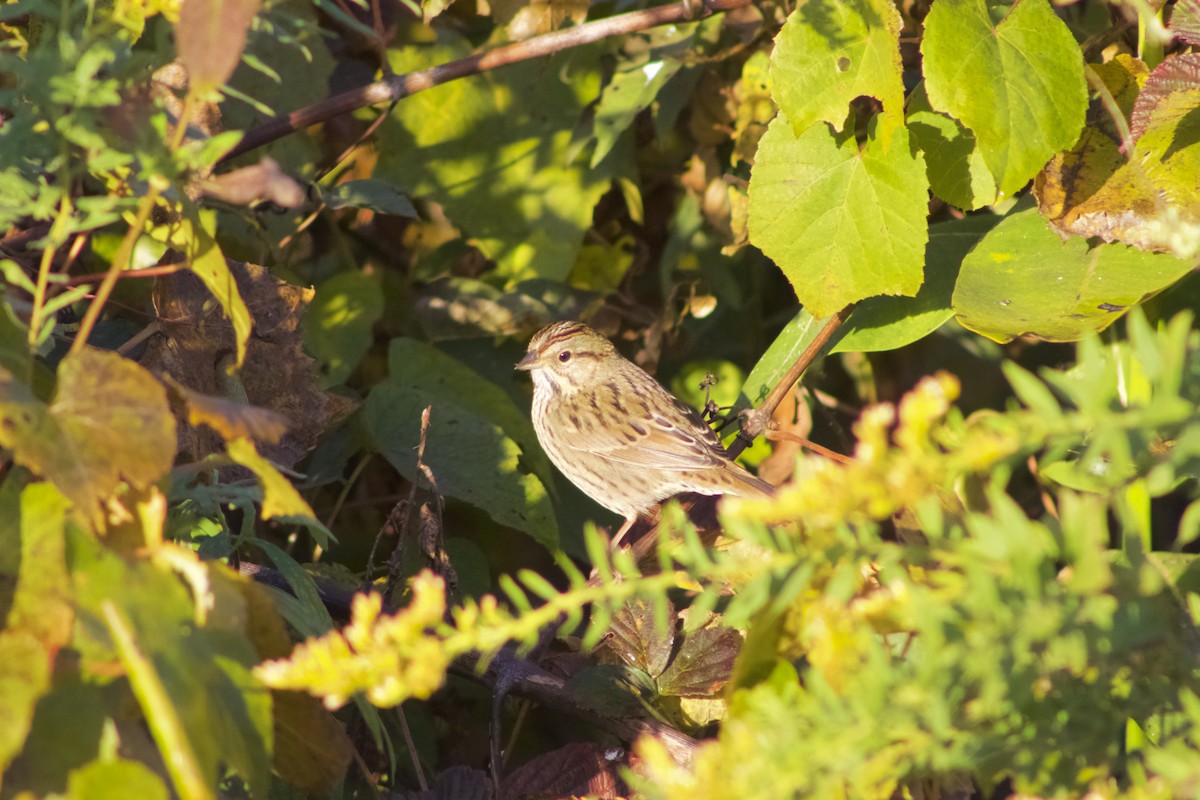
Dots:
pixel 528 362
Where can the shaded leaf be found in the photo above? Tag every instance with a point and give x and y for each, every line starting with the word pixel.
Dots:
pixel 573 770
pixel 481 447
pixel 793 340
pixel 953 162
pixel 502 170
pixel 610 690
pixel 1017 84
pixel 629 92
pixel 1023 280
pixel 39 620
pixel 338 328
pixel 842 223
pixel 703 664
pixel 109 421
pixel 827 54
pixel 371 194
pixel 635 638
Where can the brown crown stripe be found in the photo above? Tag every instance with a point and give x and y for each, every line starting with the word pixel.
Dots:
pixel 562 332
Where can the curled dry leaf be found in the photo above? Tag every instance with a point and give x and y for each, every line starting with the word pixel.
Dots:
pixel 257 183
pixel 230 418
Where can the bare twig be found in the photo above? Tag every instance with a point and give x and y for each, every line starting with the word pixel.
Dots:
pixel 397 87
pixel 148 272
pixel 754 422
pixel 807 444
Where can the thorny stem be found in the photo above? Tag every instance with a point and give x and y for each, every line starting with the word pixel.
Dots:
pixel 396 87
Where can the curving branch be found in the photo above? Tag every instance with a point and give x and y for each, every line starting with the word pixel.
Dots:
pixel 397 87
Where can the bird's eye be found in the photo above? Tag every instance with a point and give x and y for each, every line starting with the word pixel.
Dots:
pixel 564 356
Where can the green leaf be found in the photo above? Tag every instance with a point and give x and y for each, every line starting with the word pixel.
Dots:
pixel 610 690
pixel 14 343
pixel 827 54
pixel 189 668
pixel 115 780
pixel 339 323
pixel 842 223
pixel 109 421
pixel 629 92
pixel 39 621
pixel 1023 279
pixel 1017 84
pixel 481 448
pixel 783 352
pixel 955 166
pixel 889 323
pixel 502 169
pixel 372 194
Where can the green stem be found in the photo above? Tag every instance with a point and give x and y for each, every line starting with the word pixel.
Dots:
pixel 120 260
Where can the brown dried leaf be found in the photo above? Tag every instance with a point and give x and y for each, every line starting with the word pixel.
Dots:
pixel 261 182
pixel 575 770
pixel 230 418
pixel 1145 199
pixel 278 374
pixel 635 638
pixel 210 37
pixel 703 664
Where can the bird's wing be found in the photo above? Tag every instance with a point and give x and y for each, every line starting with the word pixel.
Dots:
pixel 670 437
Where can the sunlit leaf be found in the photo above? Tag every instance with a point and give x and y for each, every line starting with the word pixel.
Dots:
pixel 888 323
pixel 1017 84
pixel 1022 279
pixel 502 169
pixel 828 54
pixel 842 223
pixel 109 421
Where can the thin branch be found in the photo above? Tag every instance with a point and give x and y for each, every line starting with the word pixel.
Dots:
pixel 147 272
pixel 755 422
pixel 397 87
